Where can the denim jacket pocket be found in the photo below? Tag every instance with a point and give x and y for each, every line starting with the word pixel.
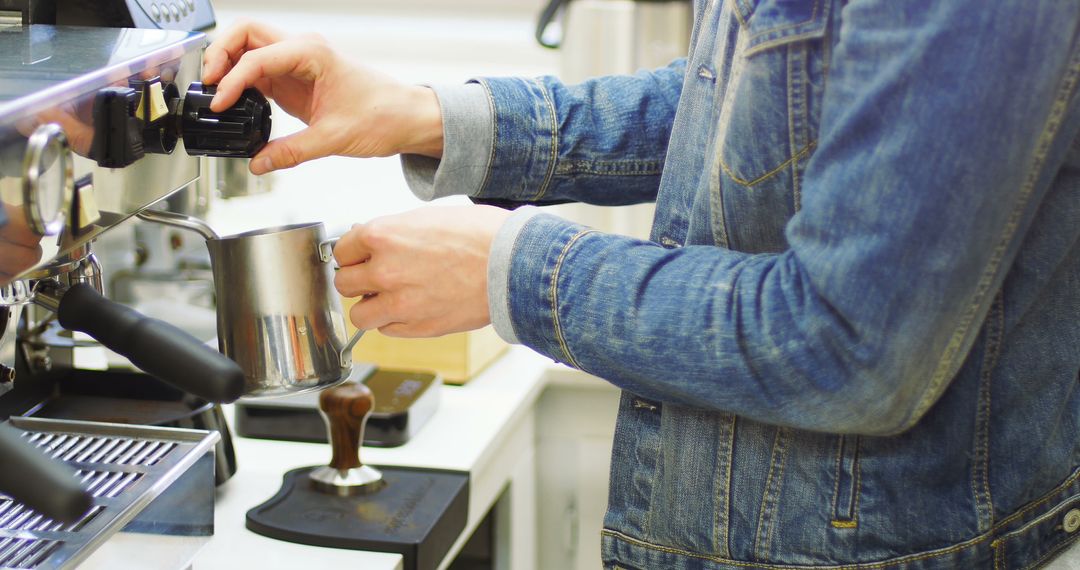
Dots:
pixel 769 121
pixel 775 22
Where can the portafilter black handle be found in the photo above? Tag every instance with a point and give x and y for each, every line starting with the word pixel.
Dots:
pixel 38 482
pixel 156 347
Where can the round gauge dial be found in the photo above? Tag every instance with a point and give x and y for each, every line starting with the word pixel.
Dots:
pixel 48 180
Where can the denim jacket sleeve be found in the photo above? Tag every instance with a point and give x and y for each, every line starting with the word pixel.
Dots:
pixel 938 139
pixel 602 141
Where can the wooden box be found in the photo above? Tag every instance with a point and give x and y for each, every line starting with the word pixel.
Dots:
pixel 457 357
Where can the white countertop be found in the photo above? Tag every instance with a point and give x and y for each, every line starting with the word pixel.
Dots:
pixel 479 427
pixel 485 427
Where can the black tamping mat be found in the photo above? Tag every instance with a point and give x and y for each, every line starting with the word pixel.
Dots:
pixel 419 514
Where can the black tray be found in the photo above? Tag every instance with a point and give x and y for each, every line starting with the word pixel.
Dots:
pixel 419 514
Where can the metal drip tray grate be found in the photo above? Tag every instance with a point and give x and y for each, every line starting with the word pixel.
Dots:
pixel 103 450
pixel 125 469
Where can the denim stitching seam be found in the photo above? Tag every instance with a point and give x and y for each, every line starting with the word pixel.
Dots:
pixel 572 169
pixel 873 566
pixel 784 39
pixel 792 145
pixel 555 297
pixel 980 482
pixel 858 482
pixel 765 566
pixel 553 155
pixel 737 10
pixel 721 535
pixel 769 174
pixel 494 136
pixel 813 16
pixel 771 496
pixel 836 481
pixel 798 114
pixel 1046 497
pixel 851 518
pixel 1070 503
pixel 1042 149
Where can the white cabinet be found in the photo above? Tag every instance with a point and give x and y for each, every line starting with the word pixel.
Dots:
pixel 575 421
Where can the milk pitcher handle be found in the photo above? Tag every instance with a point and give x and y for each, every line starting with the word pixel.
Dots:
pixel 326 255
pixel 326 251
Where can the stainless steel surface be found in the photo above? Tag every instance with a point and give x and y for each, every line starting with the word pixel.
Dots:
pixel 180 221
pixel 48 179
pixel 279 316
pixel 16 293
pixel 51 75
pixel 9 322
pixel 153 482
pixel 47 294
pixel 153 488
pixel 357 481
pixel 231 178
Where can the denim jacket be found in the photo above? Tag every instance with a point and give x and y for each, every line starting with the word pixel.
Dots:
pixel 853 339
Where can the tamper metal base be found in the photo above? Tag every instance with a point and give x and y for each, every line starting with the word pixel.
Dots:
pixel 358 481
pixel 417 513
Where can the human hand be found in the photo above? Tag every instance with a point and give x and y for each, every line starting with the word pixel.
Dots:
pixel 350 110
pixel 421 273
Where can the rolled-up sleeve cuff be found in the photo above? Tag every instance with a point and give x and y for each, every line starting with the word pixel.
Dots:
pixel 468 140
pixel 499 260
pixel 542 257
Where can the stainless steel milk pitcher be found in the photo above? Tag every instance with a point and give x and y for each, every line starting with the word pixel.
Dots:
pixel 278 314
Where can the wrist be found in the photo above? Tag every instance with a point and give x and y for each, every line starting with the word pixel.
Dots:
pixel 424 133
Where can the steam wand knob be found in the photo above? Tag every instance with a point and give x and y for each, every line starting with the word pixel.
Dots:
pixel 237 132
pixel 346 408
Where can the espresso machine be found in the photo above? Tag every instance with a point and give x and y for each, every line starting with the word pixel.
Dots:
pixel 97 125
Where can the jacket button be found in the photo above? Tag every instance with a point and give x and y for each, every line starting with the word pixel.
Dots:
pixel 1072 521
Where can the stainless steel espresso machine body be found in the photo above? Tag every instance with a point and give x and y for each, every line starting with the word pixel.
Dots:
pixel 96 125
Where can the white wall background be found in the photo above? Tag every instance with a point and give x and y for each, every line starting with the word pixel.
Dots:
pixel 409 40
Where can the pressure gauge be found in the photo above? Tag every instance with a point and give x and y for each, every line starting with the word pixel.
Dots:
pixel 48 180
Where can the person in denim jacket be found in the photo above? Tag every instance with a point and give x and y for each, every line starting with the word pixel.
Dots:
pixel 853 339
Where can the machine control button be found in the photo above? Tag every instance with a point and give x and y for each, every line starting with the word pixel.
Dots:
pixel 183 8
pixel 191 5
pixel 155 12
pixel 86 207
pixel 118 138
pixel 175 12
pixel 152 104
pixel 1072 521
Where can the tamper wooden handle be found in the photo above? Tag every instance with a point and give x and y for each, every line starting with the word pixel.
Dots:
pixel 346 408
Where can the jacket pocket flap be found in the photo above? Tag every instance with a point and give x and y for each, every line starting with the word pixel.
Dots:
pixel 770 23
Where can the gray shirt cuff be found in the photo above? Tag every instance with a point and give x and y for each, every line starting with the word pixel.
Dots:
pixel 499 259
pixel 468 139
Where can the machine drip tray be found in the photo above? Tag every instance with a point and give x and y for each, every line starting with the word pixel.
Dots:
pixel 418 514
pixel 152 489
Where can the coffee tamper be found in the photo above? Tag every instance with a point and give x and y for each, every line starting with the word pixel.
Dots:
pixel 416 512
pixel 346 408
